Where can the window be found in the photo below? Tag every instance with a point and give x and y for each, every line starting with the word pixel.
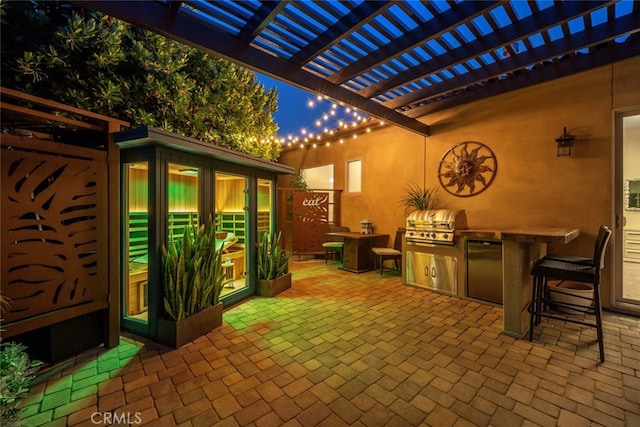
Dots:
pixel 320 177
pixel 354 176
pixel 182 200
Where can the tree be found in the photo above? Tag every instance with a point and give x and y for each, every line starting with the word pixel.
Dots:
pixel 83 58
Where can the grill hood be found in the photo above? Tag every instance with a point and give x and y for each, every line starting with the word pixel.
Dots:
pixel 438 218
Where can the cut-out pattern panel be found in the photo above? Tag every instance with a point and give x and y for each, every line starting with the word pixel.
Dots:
pixel 54 228
pixel 310 221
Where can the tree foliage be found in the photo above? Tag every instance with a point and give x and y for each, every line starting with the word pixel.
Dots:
pixel 83 58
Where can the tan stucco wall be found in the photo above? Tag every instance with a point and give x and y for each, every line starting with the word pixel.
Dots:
pixel 391 157
pixel 532 187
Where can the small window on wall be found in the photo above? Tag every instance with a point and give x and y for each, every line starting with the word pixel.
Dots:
pixel 354 176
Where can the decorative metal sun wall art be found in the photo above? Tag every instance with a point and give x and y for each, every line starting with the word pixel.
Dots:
pixel 467 169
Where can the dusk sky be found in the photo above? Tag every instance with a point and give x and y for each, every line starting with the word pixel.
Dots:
pixel 295 113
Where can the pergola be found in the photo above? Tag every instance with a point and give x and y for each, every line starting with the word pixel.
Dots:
pixel 399 60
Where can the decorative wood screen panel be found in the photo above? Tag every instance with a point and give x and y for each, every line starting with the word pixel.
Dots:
pixel 54 231
pixel 310 221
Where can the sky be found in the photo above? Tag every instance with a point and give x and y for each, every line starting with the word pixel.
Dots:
pixel 301 113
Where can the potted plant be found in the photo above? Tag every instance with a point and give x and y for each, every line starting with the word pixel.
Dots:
pixel 419 198
pixel 16 373
pixel 298 181
pixel 273 266
pixel 192 283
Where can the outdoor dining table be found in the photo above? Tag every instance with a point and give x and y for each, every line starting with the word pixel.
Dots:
pixel 357 256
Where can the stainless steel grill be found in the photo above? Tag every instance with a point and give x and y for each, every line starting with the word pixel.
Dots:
pixel 434 227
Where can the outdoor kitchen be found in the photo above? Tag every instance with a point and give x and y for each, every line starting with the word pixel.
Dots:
pixel 492 266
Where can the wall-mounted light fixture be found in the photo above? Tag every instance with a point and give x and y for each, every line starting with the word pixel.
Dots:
pixel 565 141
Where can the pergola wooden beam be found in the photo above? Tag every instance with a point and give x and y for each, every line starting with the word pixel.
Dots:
pixel 157 17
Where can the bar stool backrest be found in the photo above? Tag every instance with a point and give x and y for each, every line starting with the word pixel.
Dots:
pixel 601 247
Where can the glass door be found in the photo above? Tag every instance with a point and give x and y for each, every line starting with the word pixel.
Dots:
pixel 135 261
pixel 628 218
pixel 232 223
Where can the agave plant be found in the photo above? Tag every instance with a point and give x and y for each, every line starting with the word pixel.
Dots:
pixel 273 261
pixel 193 276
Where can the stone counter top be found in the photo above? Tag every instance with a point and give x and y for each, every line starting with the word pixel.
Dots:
pixel 529 234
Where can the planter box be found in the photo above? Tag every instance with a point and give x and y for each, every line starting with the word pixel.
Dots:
pixel 271 288
pixel 176 334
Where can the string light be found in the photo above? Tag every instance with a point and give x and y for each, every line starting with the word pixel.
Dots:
pixel 324 134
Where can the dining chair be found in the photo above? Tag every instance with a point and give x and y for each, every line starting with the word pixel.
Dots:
pixel 384 254
pixel 335 246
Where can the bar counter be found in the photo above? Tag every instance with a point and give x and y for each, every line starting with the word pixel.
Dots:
pixel 522 247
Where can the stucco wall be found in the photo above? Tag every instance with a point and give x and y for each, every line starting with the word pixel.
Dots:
pixel 532 186
pixel 391 157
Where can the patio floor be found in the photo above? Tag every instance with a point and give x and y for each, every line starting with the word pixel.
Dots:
pixel 347 349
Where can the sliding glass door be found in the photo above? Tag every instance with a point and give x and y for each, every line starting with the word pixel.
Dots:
pixel 628 214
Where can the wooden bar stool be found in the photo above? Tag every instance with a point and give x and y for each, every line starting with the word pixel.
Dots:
pixel 570 269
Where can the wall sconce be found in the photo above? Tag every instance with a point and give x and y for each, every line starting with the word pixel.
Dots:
pixel 565 141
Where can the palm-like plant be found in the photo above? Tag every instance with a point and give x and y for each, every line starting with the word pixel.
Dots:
pixel 419 198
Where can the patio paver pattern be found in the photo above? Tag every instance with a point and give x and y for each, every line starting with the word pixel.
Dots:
pixel 347 349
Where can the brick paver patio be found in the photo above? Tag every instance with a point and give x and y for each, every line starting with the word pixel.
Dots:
pixel 346 349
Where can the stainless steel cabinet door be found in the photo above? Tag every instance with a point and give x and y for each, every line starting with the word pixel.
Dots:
pixel 437 272
pixel 418 269
pixel 444 274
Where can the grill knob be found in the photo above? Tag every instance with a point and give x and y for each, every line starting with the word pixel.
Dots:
pixel 421 234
